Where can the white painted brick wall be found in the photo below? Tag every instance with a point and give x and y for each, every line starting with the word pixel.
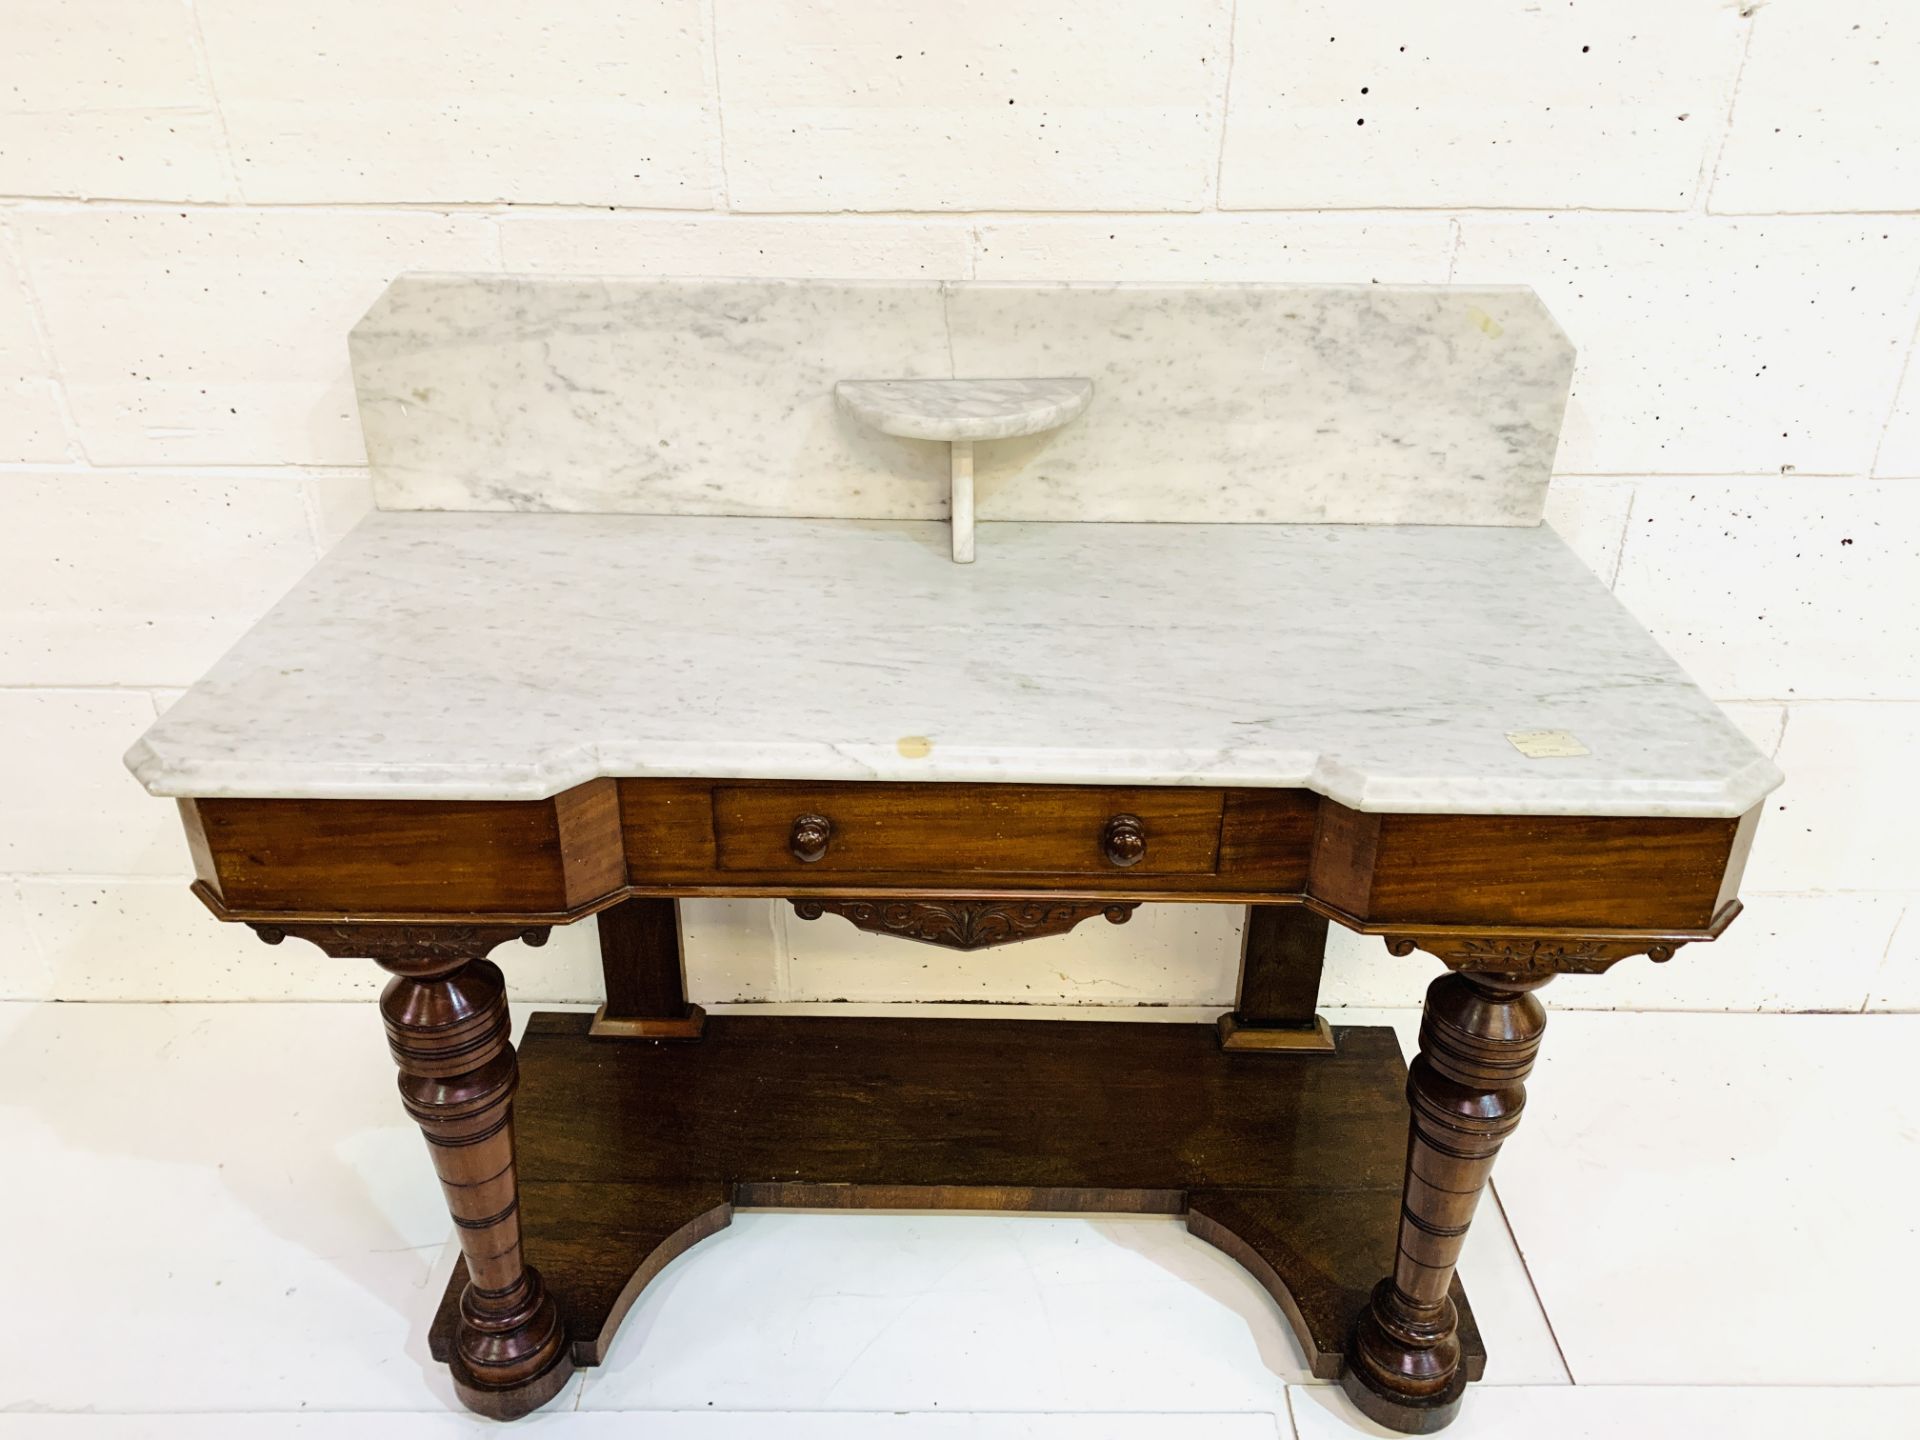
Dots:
pixel 1824 119
pixel 831 105
pixel 1712 347
pixel 1481 103
pixel 1412 249
pixel 145 578
pixel 1899 455
pixel 738 245
pixel 219 336
pixel 1792 586
pixel 563 102
pixel 1717 198
pixel 108 98
pixel 31 424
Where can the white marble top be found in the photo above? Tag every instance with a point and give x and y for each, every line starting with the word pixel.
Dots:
pixel 964 409
pixel 1345 404
pixel 468 656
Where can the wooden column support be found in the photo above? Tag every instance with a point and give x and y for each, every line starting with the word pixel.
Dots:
pixel 645 970
pixel 1478 1038
pixel 447 1026
pixel 1281 953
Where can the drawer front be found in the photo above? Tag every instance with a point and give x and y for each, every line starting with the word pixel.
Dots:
pixel 898 830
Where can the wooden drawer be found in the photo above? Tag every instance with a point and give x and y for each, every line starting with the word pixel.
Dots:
pixel 898 830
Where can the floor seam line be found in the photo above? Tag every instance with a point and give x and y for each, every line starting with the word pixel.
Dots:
pixel 1532 1284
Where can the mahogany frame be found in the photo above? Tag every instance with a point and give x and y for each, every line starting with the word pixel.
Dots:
pixel 428 887
pixel 1663 881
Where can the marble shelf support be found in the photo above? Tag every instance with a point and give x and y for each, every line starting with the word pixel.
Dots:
pixel 960 461
pixel 961 412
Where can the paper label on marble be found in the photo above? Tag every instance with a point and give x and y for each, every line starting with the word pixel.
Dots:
pixel 1277 403
pixel 1547 744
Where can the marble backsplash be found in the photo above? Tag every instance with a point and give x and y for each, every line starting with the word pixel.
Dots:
pixel 1278 403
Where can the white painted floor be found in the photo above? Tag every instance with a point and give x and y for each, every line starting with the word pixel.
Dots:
pixel 217 1224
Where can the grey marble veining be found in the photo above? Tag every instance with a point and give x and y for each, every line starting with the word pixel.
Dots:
pixel 1336 403
pixel 1306 404
pixel 964 409
pixel 512 656
pixel 682 397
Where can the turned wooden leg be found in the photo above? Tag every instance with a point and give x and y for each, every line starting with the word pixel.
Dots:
pixel 1478 1039
pixel 447 1027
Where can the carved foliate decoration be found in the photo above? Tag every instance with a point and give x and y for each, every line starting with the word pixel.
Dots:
pixel 1532 955
pixel 965 924
pixel 404 943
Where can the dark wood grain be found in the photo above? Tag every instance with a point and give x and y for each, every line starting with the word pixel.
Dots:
pixel 1539 870
pixel 1273 1234
pixel 668 830
pixel 1479 1035
pixel 447 1026
pixel 1282 950
pixel 1346 846
pixel 1736 864
pixel 880 829
pixel 644 968
pixel 593 857
pixel 1266 840
pixel 966 924
pixel 1298 1164
pixel 374 857
pixel 448 1029
pixel 599 1246
pixel 1294 1166
pixel 550 862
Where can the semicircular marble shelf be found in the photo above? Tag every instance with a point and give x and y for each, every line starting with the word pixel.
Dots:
pixel 964 409
pixel 961 412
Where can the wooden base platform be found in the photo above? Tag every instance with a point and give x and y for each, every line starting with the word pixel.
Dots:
pixel 633 1151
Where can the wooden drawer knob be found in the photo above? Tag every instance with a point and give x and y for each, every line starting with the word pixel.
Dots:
pixel 1124 840
pixel 810 837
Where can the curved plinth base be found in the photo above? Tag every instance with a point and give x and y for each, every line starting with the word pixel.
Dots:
pixel 631 1155
pixel 1397 1412
pixel 510 1402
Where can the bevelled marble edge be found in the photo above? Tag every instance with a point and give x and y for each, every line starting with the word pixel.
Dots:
pixel 541 778
pixel 512 392
pixel 964 409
